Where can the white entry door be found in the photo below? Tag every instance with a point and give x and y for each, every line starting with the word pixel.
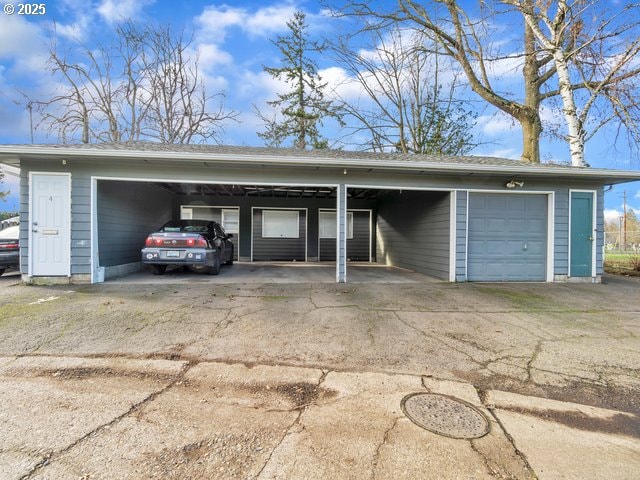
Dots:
pixel 50 222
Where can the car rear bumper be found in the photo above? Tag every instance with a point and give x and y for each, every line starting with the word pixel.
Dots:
pixel 9 259
pixel 190 256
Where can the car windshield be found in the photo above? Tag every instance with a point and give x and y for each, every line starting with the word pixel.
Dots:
pixel 10 232
pixel 185 226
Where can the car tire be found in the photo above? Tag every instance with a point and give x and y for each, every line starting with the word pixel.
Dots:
pixel 2 271
pixel 230 261
pixel 215 268
pixel 158 269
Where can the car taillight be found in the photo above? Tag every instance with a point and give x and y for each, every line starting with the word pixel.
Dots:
pixel 153 241
pixel 10 245
pixel 196 242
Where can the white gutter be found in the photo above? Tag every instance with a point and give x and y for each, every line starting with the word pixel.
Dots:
pixel 211 157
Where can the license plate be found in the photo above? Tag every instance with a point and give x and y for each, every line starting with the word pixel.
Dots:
pixel 173 253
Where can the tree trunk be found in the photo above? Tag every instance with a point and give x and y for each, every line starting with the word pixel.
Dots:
pixel 575 135
pixel 531 130
pixel 530 118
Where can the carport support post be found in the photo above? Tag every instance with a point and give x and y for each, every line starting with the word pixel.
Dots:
pixel 341 234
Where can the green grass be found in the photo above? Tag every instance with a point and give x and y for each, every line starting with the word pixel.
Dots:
pixel 621 263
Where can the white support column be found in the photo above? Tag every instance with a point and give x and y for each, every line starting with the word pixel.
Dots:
pixel 341 234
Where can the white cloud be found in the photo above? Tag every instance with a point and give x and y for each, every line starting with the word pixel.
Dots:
pixel 18 37
pixel 215 21
pixel 510 153
pixel 211 55
pixel 497 124
pixel 115 10
pixel 612 216
pixel 260 87
pixel 341 84
pixel 506 68
pixel 637 195
pixel 24 44
pixel 269 20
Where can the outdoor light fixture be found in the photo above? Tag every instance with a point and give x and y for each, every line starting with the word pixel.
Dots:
pixel 514 184
pixel 345 171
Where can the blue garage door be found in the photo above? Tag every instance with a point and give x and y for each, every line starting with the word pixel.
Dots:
pixel 507 237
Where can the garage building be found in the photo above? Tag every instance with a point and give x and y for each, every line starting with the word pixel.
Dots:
pixel 86 209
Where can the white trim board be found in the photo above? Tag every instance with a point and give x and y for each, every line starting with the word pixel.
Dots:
pixel 453 203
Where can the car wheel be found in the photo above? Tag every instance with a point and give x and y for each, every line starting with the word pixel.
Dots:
pixel 2 271
pixel 230 261
pixel 158 269
pixel 215 268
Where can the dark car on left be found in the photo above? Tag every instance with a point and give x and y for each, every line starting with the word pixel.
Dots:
pixel 200 244
pixel 9 248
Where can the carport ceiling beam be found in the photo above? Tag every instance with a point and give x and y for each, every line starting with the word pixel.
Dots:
pixel 226 190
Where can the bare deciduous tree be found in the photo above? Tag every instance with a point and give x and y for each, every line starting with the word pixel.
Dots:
pixel 581 50
pixel 594 53
pixel 403 106
pixel 145 85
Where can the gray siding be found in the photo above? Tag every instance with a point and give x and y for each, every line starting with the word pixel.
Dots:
pixel 600 231
pixel 24 221
pixel 81 202
pixel 413 232
pixel 561 232
pixel 245 203
pixel 266 249
pixel 127 213
pixel 461 235
pixel 357 247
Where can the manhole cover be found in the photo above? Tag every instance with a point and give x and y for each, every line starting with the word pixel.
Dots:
pixel 445 415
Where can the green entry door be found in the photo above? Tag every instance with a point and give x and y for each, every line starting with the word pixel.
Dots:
pixel 582 234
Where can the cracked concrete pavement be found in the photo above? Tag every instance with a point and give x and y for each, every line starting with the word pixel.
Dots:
pixel 305 380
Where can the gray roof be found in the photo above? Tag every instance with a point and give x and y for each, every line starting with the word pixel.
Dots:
pixel 152 153
pixel 296 153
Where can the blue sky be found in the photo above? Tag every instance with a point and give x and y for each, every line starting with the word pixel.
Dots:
pixel 233 43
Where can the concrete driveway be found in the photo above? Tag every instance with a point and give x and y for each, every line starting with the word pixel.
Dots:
pixel 280 272
pixel 306 380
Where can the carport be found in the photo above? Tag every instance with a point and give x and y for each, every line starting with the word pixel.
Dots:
pixel 268 222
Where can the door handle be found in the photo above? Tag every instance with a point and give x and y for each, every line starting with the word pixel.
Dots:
pixel 591 239
pixel 35 224
pixel 34 230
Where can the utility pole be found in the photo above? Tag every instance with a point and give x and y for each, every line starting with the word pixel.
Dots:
pixel 620 247
pixel 624 223
pixel 30 108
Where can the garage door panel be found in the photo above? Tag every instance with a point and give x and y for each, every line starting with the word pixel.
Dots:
pixel 495 224
pixel 537 248
pixel 513 248
pixel 516 226
pixel 507 237
pixel 477 225
pixel 534 226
